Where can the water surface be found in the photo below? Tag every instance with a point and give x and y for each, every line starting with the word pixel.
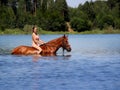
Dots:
pixel 93 64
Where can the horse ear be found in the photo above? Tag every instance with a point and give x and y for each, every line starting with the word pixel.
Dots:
pixel 64 36
pixel 67 36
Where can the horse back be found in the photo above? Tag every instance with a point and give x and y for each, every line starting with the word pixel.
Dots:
pixel 24 50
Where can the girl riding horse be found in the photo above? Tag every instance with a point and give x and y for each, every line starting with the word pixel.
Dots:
pixel 49 48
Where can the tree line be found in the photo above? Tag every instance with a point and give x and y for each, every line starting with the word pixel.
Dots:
pixel 53 14
pixel 100 14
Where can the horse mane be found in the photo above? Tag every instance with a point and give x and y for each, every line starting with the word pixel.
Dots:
pixel 51 42
pixel 54 40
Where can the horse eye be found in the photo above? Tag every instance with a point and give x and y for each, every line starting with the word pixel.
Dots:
pixel 66 42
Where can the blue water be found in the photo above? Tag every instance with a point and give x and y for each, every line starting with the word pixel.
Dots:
pixel 93 64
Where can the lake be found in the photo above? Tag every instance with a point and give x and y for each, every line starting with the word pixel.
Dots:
pixel 93 64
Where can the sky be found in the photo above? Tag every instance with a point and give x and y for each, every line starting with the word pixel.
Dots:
pixel 75 3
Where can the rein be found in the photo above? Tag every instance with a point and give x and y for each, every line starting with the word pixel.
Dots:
pixel 63 46
pixel 45 44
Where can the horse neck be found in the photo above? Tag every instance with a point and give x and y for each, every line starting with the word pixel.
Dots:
pixel 56 43
pixel 59 43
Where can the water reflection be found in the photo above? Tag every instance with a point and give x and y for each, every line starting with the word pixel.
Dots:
pixel 36 58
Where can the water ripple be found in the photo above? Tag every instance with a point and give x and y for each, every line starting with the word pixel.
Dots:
pixel 93 64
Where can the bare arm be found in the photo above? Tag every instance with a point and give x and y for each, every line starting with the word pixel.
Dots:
pixel 41 42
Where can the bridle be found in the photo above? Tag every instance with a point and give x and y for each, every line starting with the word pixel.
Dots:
pixel 63 46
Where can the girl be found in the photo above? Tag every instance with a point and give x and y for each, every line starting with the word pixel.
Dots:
pixel 36 42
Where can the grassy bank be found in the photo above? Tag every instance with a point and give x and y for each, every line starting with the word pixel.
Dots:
pixel 12 31
pixel 105 31
pixel 97 31
pixel 19 31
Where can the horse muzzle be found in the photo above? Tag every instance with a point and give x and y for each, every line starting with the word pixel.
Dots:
pixel 69 49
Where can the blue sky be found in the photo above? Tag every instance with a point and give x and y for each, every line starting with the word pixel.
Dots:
pixel 75 3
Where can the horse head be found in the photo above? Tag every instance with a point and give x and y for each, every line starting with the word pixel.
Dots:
pixel 65 43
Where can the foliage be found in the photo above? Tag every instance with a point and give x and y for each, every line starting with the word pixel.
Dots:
pixel 79 24
pixel 51 15
pixel 7 18
pixel 27 29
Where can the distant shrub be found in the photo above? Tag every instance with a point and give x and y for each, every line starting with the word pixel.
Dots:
pixel 27 28
pixel 80 25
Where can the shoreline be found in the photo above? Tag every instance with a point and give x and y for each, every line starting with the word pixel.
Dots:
pixel 22 32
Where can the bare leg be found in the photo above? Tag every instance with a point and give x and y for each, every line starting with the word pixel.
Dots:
pixel 38 48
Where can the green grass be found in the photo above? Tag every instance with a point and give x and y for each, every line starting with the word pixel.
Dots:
pixel 12 31
pixel 19 31
pixel 96 31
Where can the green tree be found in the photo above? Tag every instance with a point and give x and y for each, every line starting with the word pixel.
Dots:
pixel 62 8
pixel 7 17
pixel 4 2
pixel 28 5
pixel 100 9
pixel 44 6
pixel 88 8
pixel 111 3
pixel 21 13
pixel 53 14
pixel 79 24
pixel 106 21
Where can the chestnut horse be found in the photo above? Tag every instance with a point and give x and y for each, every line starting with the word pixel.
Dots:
pixel 48 49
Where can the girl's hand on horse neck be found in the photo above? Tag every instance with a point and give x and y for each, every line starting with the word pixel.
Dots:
pixel 41 42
